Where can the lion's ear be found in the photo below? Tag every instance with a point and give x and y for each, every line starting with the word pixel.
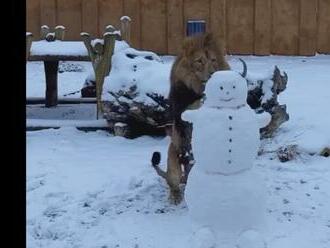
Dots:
pixel 188 47
pixel 208 41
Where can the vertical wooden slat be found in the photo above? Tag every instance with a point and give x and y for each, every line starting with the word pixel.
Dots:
pixel 308 27
pixel 285 27
pixel 196 9
pixel 175 26
pixel 33 18
pixel 218 20
pixel 323 33
pixel 48 13
pixel 240 26
pixel 132 9
pixel 69 15
pixel 153 25
pixel 262 27
pixel 89 17
pixel 110 12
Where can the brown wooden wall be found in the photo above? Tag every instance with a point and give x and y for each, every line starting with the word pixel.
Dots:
pixel 261 27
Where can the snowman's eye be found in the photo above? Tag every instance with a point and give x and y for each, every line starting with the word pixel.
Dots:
pixel 234 87
pixel 221 88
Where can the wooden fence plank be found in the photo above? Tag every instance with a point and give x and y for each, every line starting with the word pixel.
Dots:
pixel 240 26
pixel 218 21
pixel 132 9
pixel 285 27
pixel 33 18
pixel 69 15
pixel 196 9
pixel 262 27
pixel 323 33
pixel 175 26
pixel 48 10
pixel 308 27
pixel 89 17
pixel 153 25
pixel 110 12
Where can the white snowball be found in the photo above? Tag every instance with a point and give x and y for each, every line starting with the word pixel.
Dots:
pixel 226 89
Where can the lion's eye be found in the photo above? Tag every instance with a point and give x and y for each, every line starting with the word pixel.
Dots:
pixel 221 88
pixel 199 61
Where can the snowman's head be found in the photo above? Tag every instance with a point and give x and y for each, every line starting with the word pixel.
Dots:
pixel 226 89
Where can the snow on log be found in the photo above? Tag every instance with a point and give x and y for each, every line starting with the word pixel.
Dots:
pixel 125 18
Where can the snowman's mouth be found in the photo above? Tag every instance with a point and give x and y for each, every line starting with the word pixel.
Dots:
pixel 226 100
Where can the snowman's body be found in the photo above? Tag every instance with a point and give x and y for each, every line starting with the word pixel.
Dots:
pixel 224 192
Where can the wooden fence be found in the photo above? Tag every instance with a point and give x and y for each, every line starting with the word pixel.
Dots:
pixel 261 27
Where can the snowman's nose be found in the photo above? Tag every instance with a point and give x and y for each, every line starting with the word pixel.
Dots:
pixel 227 93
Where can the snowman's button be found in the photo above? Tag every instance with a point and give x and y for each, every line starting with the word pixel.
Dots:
pixel 230 140
pixel 229 161
pixel 229 150
pixel 230 128
pixel 230 117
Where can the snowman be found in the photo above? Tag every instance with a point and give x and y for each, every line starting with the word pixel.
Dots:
pixel 224 193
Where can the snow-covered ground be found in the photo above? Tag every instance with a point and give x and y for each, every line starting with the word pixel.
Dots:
pixel 94 190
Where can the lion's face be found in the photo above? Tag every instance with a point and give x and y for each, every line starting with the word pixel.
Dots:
pixel 203 64
pixel 200 58
pixel 200 66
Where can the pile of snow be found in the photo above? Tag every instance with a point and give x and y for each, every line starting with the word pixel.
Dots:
pixel 141 69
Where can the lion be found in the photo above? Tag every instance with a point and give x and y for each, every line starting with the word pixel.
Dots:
pixel 201 56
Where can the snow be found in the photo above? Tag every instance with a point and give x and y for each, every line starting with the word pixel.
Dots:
pixel 144 69
pixel 57 47
pixel 65 123
pixel 125 18
pixel 94 190
pixel 66 48
pixel 96 41
pixel 59 27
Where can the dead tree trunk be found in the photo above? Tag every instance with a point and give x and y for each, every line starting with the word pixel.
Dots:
pixel 100 52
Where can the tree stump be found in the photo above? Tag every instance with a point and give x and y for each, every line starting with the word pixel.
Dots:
pixel 100 52
pixel 256 100
pixel 125 28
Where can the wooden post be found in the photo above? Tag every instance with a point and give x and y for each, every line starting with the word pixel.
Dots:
pixel 51 67
pixel 100 52
pixel 113 30
pixel 29 37
pixel 44 31
pixel 51 83
pixel 125 28
pixel 59 32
